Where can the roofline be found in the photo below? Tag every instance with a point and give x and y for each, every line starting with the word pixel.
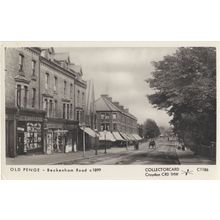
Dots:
pixel 56 66
pixel 125 113
pixel 119 110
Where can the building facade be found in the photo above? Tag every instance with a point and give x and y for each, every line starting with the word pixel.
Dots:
pixel 58 101
pixel 111 116
pixel 43 112
pixel 25 120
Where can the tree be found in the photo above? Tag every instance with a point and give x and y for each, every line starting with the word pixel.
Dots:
pixel 185 86
pixel 151 130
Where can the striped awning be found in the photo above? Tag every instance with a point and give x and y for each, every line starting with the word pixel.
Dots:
pixel 131 138
pixel 125 136
pixel 117 136
pixel 106 136
pixel 137 137
pixel 89 131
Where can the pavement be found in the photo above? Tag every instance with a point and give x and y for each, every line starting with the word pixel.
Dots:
pixel 59 158
pixel 187 157
pixel 164 153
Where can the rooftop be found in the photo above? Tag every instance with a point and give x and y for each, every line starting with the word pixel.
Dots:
pixel 105 103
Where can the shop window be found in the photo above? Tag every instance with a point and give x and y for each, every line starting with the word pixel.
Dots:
pixel 33 66
pixel 32 136
pixel 18 95
pixel 102 116
pixel 50 108
pixel 47 81
pixel 25 96
pixel 33 97
pixel 64 110
pixel 21 62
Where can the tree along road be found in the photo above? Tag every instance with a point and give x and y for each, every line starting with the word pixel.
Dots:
pixel 164 153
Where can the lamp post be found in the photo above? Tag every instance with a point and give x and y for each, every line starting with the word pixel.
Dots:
pixel 83 125
pixel 105 141
pixel 96 142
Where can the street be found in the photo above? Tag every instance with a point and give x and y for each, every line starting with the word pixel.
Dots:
pixel 162 154
pixel 165 153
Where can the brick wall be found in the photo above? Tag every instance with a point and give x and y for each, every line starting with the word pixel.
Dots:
pixel 124 123
pixel 12 71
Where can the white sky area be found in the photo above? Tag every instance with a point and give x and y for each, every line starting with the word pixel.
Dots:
pixel 121 73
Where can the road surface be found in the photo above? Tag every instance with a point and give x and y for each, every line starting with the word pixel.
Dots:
pixel 164 153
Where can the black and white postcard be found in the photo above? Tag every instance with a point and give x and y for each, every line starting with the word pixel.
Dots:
pixel 109 110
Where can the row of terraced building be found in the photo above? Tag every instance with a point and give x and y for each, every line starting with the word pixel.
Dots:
pixel 50 107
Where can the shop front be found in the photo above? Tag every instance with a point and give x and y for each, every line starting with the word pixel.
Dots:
pixel 29 137
pixel 56 140
pixel 91 138
pixel 24 131
pixel 60 137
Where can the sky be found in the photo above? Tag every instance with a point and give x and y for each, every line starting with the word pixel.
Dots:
pixel 121 73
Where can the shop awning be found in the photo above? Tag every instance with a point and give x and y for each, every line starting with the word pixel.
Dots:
pixel 125 136
pixel 117 136
pixel 131 138
pixel 137 137
pixel 108 136
pixel 89 131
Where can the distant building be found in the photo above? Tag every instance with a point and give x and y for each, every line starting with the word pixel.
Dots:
pixel 113 117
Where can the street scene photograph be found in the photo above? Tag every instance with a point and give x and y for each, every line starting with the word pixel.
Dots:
pixel 110 105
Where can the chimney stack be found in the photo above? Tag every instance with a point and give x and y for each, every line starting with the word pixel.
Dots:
pixel 104 95
pixel 116 104
pixel 110 99
pixel 121 107
pixel 127 110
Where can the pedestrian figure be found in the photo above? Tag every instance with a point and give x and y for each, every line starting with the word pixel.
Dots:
pixel 126 143
pixel 136 145
pixel 152 144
